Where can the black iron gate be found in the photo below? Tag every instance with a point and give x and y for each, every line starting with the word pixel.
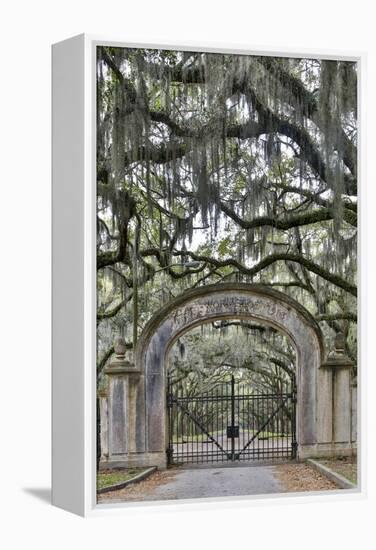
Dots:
pixel 231 422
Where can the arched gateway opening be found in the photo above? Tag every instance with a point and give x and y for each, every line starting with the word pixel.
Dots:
pixel 136 432
pixel 231 394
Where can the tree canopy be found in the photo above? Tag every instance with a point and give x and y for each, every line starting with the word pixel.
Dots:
pixel 217 167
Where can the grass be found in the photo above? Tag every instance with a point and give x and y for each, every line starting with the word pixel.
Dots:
pixel 113 477
pixel 188 438
pixel 345 466
pixel 267 435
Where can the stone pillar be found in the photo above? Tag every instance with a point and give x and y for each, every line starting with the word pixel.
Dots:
pixel 103 409
pixel 340 366
pixel 122 393
pixel 354 410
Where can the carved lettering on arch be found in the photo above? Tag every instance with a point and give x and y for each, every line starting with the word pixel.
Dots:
pixel 225 305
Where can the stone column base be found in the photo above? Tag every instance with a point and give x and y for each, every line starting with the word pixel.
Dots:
pixel 325 450
pixel 136 460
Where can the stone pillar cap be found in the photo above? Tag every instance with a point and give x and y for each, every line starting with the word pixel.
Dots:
pixel 120 347
pixel 120 364
pixel 102 392
pixel 338 357
pixel 118 367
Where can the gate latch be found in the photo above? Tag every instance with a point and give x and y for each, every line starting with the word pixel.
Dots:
pixel 232 431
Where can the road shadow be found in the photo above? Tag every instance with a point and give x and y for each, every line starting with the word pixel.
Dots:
pixel 41 493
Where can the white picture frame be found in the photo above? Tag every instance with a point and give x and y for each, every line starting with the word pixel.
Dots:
pixel 74 258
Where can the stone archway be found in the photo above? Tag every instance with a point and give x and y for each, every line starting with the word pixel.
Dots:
pixel 136 425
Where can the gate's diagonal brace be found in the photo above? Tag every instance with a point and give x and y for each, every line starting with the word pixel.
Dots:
pixel 264 425
pixel 202 428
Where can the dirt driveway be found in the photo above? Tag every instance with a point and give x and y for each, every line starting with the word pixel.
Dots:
pixel 207 482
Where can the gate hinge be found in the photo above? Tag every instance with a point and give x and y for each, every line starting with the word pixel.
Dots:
pixel 294 395
pixel 169 453
pixel 294 448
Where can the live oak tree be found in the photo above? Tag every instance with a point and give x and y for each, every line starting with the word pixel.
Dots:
pixel 256 354
pixel 219 167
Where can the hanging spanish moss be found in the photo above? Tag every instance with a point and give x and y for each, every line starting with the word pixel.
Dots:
pixel 218 167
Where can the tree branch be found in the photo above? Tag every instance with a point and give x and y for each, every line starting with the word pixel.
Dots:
pixel 271 259
pixel 337 317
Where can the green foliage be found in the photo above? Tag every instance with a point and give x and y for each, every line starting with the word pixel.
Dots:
pixel 109 478
pixel 224 246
